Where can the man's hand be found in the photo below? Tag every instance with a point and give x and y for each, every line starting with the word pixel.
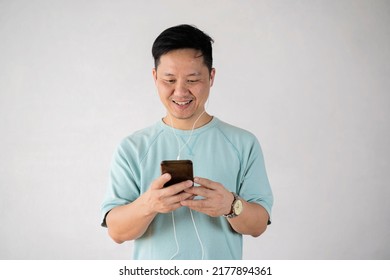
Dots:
pixel 163 200
pixel 130 221
pixel 217 200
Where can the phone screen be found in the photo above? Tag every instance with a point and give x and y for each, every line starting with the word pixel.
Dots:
pixel 180 170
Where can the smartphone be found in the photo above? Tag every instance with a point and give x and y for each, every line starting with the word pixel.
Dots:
pixel 180 170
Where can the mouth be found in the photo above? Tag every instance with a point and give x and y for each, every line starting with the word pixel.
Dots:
pixel 182 103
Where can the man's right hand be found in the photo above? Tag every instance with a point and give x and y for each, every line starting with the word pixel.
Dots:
pixel 130 221
pixel 164 200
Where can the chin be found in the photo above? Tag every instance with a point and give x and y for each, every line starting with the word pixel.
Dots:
pixel 182 115
pixel 182 118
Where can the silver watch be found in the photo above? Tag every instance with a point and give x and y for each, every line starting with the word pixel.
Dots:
pixel 236 207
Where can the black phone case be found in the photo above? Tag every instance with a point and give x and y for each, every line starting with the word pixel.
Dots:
pixel 180 170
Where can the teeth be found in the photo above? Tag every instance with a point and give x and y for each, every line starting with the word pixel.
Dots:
pixel 182 103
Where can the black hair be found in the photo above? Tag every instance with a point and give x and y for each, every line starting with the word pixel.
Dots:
pixel 183 37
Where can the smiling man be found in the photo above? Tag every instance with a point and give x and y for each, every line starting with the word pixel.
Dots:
pixel 230 196
pixel 183 82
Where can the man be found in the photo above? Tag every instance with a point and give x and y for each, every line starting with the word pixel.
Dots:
pixel 230 195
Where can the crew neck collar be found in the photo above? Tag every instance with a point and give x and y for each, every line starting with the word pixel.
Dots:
pixel 198 130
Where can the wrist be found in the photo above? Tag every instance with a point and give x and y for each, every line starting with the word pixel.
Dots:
pixel 235 208
pixel 148 210
pixel 228 208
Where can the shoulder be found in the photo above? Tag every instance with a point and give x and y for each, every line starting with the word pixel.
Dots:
pixel 143 135
pixel 139 141
pixel 235 134
pixel 244 142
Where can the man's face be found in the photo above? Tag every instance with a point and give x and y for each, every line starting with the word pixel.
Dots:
pixel 183 82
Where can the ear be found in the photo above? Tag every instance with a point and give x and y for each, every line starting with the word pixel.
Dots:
pixel 212 76
pixel 154 73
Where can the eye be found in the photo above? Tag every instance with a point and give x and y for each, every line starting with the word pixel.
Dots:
pixel 169 81
pixel 192 81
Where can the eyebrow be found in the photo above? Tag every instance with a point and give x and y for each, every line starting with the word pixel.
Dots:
pixel 196 74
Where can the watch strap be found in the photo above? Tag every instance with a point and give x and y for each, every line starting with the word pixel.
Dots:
pixel 232 214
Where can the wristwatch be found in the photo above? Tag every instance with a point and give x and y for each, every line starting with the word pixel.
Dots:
pixel 236 207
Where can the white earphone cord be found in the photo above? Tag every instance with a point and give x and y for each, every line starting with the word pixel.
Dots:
pixel 175 235
pixel 180 148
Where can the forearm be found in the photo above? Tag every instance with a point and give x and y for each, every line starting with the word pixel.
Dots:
pixel 129 222
pixel 253 219
pixel 218 200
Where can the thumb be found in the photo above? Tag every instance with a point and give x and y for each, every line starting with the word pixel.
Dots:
pixel 160 181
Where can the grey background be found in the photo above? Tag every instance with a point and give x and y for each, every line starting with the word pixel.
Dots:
pixel 309 78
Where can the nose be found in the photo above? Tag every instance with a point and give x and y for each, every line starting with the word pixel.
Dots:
pixel 181 88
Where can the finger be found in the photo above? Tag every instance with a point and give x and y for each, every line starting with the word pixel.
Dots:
pixel 174 202
pixel 201 191
pixel 202 205
pixel 196 204
pixel 179 197
pixel 160 181
pixel 178 188
pixel 205 182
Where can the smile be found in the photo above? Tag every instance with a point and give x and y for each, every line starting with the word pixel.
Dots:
pixel 182 103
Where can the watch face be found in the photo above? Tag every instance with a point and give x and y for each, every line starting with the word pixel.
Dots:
pixel 237 207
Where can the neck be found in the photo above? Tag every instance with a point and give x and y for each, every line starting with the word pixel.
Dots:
pixel 188 124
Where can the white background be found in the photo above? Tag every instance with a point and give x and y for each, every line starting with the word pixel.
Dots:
pixel 309 78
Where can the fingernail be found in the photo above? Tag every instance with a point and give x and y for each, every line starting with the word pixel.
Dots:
pixel 196 179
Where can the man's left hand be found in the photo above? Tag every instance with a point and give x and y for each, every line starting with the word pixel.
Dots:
pixel 217 200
